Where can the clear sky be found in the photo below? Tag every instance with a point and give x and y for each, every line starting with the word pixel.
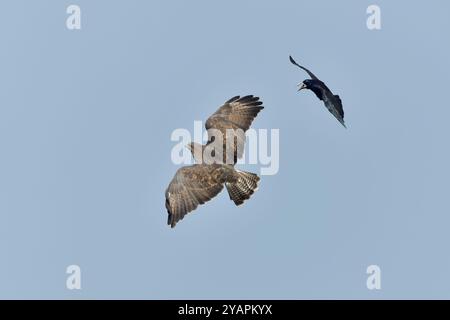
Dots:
pixel 85 124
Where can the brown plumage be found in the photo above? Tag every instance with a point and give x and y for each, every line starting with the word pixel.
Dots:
pixel 197 184
pixel 194 185
pixel 234 117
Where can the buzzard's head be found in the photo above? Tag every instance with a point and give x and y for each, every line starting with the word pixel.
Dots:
pixel 196 150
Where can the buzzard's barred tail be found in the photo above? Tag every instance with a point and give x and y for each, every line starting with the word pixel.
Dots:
pixel 242 187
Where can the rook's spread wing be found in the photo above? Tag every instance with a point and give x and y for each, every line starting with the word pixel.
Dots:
pixel 303 68
pixel 191 186
pixel 334 105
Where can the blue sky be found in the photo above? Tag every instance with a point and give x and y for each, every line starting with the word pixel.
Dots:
pixel 85 124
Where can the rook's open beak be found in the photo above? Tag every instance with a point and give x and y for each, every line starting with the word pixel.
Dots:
pixel 301 86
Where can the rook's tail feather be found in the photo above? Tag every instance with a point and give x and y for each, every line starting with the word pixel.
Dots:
pixel 242 187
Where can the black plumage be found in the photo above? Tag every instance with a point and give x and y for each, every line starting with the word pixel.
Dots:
pixel 332 102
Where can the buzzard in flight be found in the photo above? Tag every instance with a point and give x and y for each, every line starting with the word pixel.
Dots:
pixel 194 185
pixel 331 101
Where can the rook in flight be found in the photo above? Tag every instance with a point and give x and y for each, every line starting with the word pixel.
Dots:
pixel 331 101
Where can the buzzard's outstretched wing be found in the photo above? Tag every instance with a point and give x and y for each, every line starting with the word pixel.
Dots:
pixel 301 67
pixel 192 186
pixel 237 113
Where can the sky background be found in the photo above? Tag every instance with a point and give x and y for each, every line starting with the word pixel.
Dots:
pixel 85 124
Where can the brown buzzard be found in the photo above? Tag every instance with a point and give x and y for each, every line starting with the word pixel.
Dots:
pixel 194 185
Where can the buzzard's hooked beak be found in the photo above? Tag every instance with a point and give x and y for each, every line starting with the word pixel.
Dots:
pixel 301 86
